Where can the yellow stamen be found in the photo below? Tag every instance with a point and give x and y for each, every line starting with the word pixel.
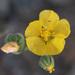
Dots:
pixel 50 68
pixel 47 32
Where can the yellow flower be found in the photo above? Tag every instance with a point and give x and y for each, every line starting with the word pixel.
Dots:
pixel 46 35
pixel 50 68
pixel 10 47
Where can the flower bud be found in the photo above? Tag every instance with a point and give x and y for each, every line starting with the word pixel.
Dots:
pixel 47 63
pixel 15 43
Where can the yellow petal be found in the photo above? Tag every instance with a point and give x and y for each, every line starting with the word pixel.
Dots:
pixel 55 46
pixel 62 29
pixel 48 17
pixel 36 45
pixel 33 29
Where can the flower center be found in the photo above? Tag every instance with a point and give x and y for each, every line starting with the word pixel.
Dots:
pixel 47 33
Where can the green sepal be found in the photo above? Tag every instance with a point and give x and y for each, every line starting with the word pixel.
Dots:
pixel 42 27
pixel 51 37
pixel 39 36
pixel 46 61
pixel 45 42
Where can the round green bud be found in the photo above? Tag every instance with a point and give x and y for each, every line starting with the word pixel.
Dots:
pixel 47 63
pixel 19 39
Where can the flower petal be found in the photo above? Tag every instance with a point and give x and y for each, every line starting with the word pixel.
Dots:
pixel 36 45
pixel 48 17
pixel 55 46
pixel 33 29
pixel 62 29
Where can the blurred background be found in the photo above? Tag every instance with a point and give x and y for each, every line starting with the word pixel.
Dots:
pixel 15 15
